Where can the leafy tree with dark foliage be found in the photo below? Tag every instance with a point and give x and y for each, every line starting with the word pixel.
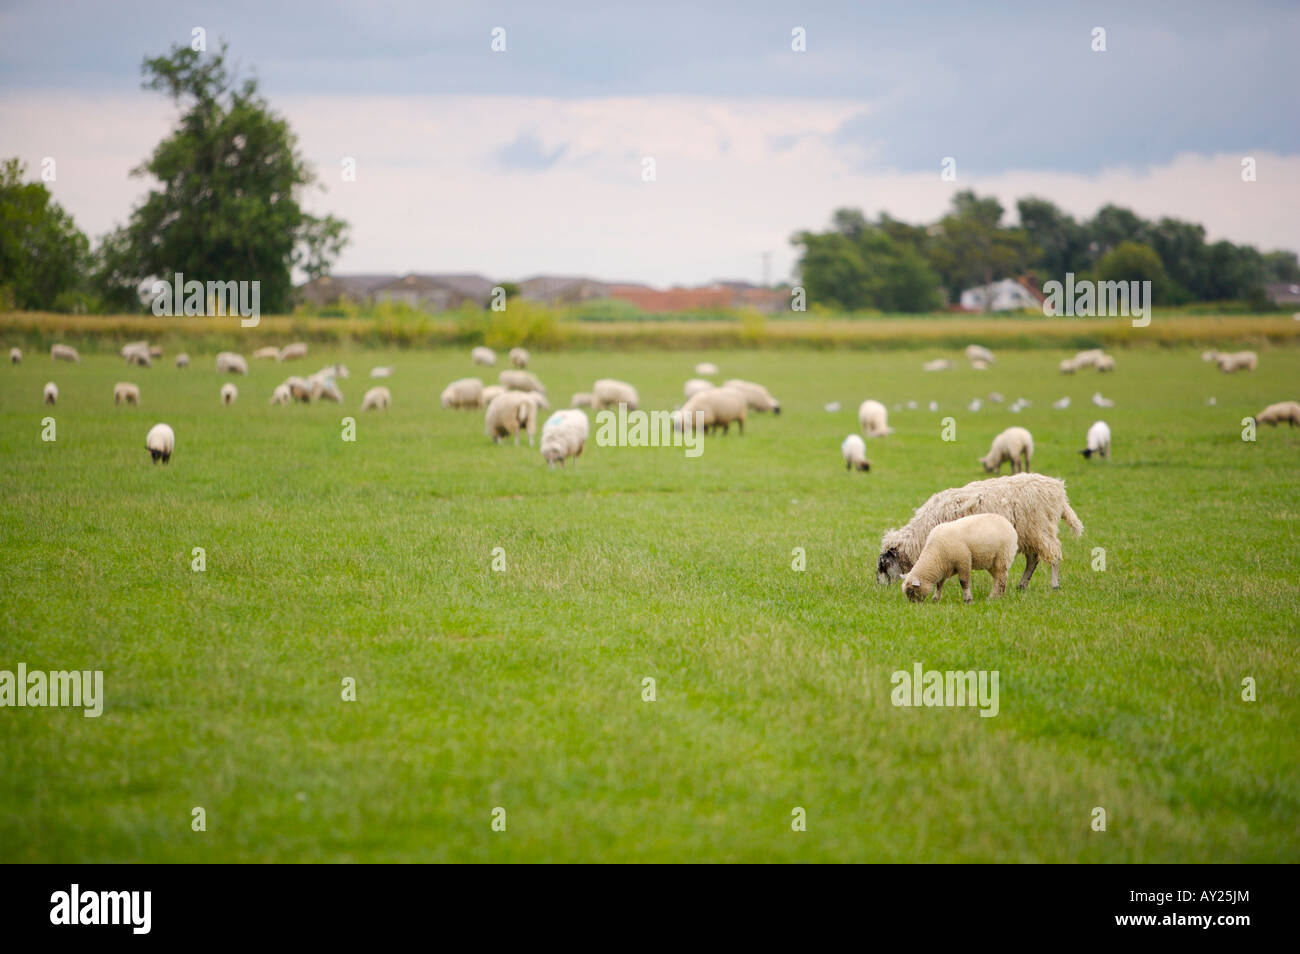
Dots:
pixel 43 255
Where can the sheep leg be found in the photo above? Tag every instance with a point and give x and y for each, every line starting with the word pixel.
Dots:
pixel 1031 563
pixel 938 590
pixel 999 580
pixel 1026 467
pixel 740 427
pixel 1056 576
pixel 963 575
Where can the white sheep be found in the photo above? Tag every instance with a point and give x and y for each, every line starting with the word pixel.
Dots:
pixel 1098 441
pixel 982 541
pixel 720 407
pixel 979 353
pixel 140 358
pixel 160 442
pixel 300 389
pixel 757 396
pixel 481 355
pixel 131 346
pixel 490 392
pixel 979 365
pixel 281 395
pixel 1014 445
pixel 1062 404
pixel 155 352
pixel 182 360
pixel 125 391
pixel 564 435
pixel 610 393
pixel 381 372
pixel 1034 503
pixel 229 393
pixel 1237 361
pixel 706 368
pixel 1068 366
pixel 854 449
pixel 581 399
pixel 1100 401
pixel 695 385
pixel 464 393
pixel 230 363
pixel 1275 414
pixel 327 390
pixel 377 399
pixel 16 355
pixel 508 412
pixel 1105 363
pixel 51 392
pixel 270 352
pixel 873 419
pixel 974 405
pixel 519 357
pixel 62 352
pixel 996 397
pixel 833 407
pixel 296 350
pixel 938 364
pixel 521 381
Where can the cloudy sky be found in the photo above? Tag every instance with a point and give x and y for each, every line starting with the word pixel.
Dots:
pixel 530 160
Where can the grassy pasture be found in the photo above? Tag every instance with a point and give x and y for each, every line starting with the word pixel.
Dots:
pixel 523 689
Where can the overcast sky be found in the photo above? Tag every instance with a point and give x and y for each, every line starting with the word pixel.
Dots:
pixel 530 160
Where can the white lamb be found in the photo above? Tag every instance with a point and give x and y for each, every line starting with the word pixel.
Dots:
pixel 873 419
pixel 16 355
pixel 1275 414
pixel 229 393
pixel 519 357
pixel 521 381
pixel 489 394
pixel 1237 361
pixel 1105 363
pixel 508 412
pixel 1014 445
pixel 564 435
pixel 983 541
pixel 481 355
pixel 1098 441
pixel 1034 504
pixel 281 395
pixel 1100 401
pixel 269 353
pixel 976 353
pixel 125 391
pixel 160 442
pixel 581 399
pixel 381 372
pixel 938 364
pixel 376 399
pixel 854 450
pixel 757 396
pixel 695 385
pixel 465 393
pixel 719 407
pixel 610 393
pixel 62 352
pixel 706 368
pixel 51 392
pixel 291 351
pixel 230 363
pixel 182 360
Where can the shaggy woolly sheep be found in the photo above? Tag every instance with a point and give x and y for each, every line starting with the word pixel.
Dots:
pixel 979 353
pixel 982 541
pixel 1275 414
pixel 706 368
pixel 719 407
pixel 564 435
pixel 938 364
pixel 228 393
pixel 381 372
pixel 160 442
pixel 873 419
pixel 1237 361
pixel 756 395
pixel 508 412
pixel 291 351
pixel 695 385
pixel 376 399
pixel 465 393
pixel 519 357
pixel 609 393
pixel 230 363
pixel 270 352
pixel 62 352
pixel 281 394
pixel 1012 445
pixel 51 392
pixel 1098 441
pixel 16 355
pixel 481 355
pixel 581 399
pixel 521 381
pixel 182 360
pixel 854 450
pixel 1034 503
pixel 125 391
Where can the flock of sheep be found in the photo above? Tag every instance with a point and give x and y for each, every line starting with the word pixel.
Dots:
pixel 980 526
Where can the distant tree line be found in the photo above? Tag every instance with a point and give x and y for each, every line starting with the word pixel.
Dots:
pixel 894 266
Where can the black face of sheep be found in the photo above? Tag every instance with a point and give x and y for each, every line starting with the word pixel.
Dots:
pixel 1087 453
pixel 889 567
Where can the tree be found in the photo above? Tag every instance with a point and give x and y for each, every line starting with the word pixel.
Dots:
pixel 42 252
pixel 971 246
pixel 1059 243
pixel 858 265
pixel 1134 262
pixel 230 178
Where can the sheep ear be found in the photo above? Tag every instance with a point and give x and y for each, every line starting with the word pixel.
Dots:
pixel 914 583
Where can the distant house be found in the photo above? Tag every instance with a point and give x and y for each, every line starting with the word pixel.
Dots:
pixel 1010 294
pixel 435 292
pixel 1282 293
pixel 562 289
pixel 331 289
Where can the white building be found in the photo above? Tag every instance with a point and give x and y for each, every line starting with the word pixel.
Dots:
pixel 1006 295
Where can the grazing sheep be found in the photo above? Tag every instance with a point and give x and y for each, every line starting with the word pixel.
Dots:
pixel 376 399
pixel 564 435
pixel 1034 503
pixel 1275 414
pixel 332 371
pixel 230 363
pixel 756 395
pixel 1210 355
pixel 976 353
pixel 938 364
pixel 706 368
pixel 160 442
pixel 519 357
pixel 270 352
pixel 228 393
pixel 854 450
pixel 695 385
pixel 281 394
pixel 873 419
pixel 125 391
pixel 481 355
pixel 1105 363
pixel 464 393
pixel 609 393
pixel 720 407
pixel 1012 445
pixel 62 352
pixel 508 412
pixel 980 365
pixel 381 372
pixel 974 405
pixel 1232 363
pixel 327 390
pixel 300 389
pixel 182 360
pixel 51 392
pixel 296 350
pixel 982 541
pixel 131 346
pixel 539 399
pixel 1068 366
pixel 521 381
pixel 140 358
pixel 1100 401
pixel 1062 404
pixel 16 355
pixel 833 407
pixel 581 399
pixel 1098 441
pixel 996 397
pixel 155 352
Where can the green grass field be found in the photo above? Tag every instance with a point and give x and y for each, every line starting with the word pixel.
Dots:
pixel 522 689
